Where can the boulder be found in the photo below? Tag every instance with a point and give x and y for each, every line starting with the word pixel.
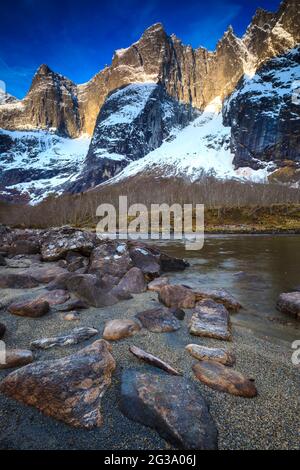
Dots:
pixel 211 320
pixel 45 274
pixel 17 281
pixel 56 243
pixel 106 260
pixel 74 337
pixel 16 358
pixel 145 260
pixel 177 296
pixel 88 288
pixel 224 379
pixel 2 330
pixel 158 283
pixel 220 296
pixel 159 320
pixel 79 264
pixel 169 263
pixel 60 282
pixel 119 329
pixel 133 282
pixel 68 389
pixel 202 353
pixel 172 406
pixel 290 303
pixel 153 360
pixel 55 297
pixel 29 308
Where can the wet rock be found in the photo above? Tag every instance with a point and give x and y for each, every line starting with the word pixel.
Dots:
pixel 58 242
pixel 153 360
pixel 2 261
pixel 178 313
pixel 202 353
pixel 177 296
pixel 68 389
pixel 2 330
pixel 30 308
pixel 16 358
pixel 210 320
pixel 224 379
pixel 45 274
pixel 72 316
pixel 290 303
pixel 168 263
pixel 157 284
pixel 17 281
pixel 133 281
pixel 170 405
pixel 74 337
pixel 220 296
pixel 159 320
pixel 88 287
pixel 55 297
pixel 119 329
pixel 145 260
pixel 73 304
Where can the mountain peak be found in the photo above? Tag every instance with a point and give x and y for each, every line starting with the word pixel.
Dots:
pixel 43 69
pixel 154 29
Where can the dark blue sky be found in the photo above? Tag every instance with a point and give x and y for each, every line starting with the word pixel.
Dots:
pixel 78 37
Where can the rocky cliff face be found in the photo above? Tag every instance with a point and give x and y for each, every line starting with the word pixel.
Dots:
pixel 264 115
pixel 193 76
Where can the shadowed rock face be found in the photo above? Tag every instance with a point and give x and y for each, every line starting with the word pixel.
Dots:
pixel 68 389
pixel 172 406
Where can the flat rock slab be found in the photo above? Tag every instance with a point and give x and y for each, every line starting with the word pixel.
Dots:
pixel 153 360
pixel 224 379
pixel 210 320
pixel 177 296
pixel 17 281
pixel 74 337
pixel 30 308
pixel 133 282
pixel 220 296
pixel 170 405
pixel 119 329
pixel 157 284
pixel 55 297
pixel 159 320
pixel 290 303
pixel 16 358
pixel 202 353
pixel 2 330
pixel 68 389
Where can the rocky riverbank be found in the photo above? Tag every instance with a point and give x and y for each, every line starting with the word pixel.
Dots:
pixel 69 291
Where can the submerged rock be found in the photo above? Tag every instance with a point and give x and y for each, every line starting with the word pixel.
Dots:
pixel 17 281
pixel 68 389
pixel 220 296
pixel 30 308
pixel 170 405
pixel 177 296
pixel 133 282
pixel 74 337
pixel 153 360
pixel 211 354
pixel 290 303
pixel 224 379
pixel 119 329
pixel 159 320
pixel 211 320
pixel 16 358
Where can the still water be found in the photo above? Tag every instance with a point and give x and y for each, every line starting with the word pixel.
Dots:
pixel 255 269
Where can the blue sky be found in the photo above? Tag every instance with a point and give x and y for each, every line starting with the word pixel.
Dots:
pixel 77 38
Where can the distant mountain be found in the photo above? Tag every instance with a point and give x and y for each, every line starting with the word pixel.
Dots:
pixel 144 111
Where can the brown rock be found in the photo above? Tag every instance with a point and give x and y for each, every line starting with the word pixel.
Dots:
pixel 16 358
pixel 224 379
pixel 45 274
pixel 133 281
pixel 68 389
pixel 120 329
pixel 88 287
pixel 30 308
pixel 55 297
pixel 72 316
pixel 107 260
pixel 17 281
pixel 211 354
pixel 159 320
pixel 25 247
pixel 177 296
pixel 153 360
pixel 145 260
pixel 220 296
pixel 74 337
pixel 158 283
pixel 210 320
pixel 290 303
pixel 60 282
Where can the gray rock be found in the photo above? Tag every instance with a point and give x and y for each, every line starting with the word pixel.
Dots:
pixel 74 337
pixel 290 303
pixel 159 320
pixel 210 319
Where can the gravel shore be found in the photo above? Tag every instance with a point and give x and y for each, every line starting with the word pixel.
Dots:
pixel 266 422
